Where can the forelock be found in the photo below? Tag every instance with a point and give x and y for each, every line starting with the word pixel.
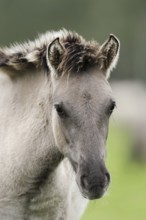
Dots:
pixel 80 55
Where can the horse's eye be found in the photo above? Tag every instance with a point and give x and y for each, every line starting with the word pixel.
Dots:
pixel 61 112
pixel 112 106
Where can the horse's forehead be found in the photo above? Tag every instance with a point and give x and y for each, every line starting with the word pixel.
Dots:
pixel 85 86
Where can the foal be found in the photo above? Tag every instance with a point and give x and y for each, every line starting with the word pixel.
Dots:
pixel 54 111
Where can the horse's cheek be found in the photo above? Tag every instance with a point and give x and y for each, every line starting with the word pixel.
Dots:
pixel 58 134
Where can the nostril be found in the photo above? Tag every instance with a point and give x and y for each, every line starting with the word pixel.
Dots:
pixel 83 181
pixel 107 177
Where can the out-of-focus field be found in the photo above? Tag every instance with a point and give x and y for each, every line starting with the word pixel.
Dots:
pixel 126 197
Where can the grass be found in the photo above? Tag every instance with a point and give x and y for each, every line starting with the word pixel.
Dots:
pixel 126 197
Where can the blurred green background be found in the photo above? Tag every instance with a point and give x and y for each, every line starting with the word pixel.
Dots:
pixel 126 197
pixel 96 19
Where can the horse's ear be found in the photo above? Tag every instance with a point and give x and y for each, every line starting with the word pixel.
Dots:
pixel 109 52
pixel 3 59
pixel 55 53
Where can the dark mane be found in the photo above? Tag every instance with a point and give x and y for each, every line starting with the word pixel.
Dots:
pixel 80 54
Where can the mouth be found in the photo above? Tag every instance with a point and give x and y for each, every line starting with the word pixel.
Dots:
pixel 95 192
pixel 92 195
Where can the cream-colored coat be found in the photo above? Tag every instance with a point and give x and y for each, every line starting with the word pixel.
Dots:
pixel 36 181
pixel 26 143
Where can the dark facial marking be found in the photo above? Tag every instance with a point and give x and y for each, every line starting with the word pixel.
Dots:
pixel 87 96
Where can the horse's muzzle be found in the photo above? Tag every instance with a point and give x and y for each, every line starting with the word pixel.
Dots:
pixel 93 186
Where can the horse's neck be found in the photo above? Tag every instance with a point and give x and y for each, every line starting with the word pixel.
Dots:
pixel 32 178
pixel 55 195
pixel 27 146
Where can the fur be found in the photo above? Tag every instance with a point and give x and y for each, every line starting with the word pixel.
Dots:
pixel 43 157
pixel 79 56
